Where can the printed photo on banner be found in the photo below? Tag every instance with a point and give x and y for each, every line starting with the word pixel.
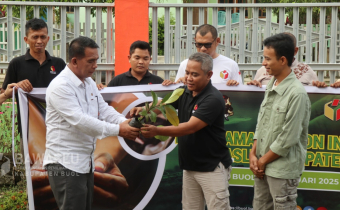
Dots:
pixel 150 167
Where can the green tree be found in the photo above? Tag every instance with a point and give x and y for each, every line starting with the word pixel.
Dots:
pixel 302 10
pixel 43 9
pixel 160 32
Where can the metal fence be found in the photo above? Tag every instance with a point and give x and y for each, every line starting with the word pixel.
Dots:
pixel 241 40
pixel 60 30
pixel 319 44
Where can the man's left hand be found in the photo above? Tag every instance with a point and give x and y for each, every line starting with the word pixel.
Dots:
pixel 255 82
pixel 167 82
pixel 261 164
pixel 319 84
pixel 100 86
pixel 232 83
pixel 149 131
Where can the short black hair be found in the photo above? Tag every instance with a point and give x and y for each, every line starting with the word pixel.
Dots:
pixel 140 45
pixel 283 45
pixel 293 37
pixel 206 28
pixel 35 24
pixel 78 45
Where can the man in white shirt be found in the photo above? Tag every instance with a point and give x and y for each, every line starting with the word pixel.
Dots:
pixel 225 70
pixel 76 116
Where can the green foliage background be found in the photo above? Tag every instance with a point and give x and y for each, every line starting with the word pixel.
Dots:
pixel 160 33
pixel 302 10
pixel 43 9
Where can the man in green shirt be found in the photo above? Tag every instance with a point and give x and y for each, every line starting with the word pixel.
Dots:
pixel 280 141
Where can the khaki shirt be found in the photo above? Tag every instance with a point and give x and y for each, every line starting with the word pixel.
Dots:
pixel 282 126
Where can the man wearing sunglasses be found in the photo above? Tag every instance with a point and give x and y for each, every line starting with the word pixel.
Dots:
pixel 225 70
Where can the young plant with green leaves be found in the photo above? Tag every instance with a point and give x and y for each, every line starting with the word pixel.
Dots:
pixel 169 112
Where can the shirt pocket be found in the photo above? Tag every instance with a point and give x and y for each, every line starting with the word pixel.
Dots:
pixel 280 113
pixel 93 107
pixel 262 110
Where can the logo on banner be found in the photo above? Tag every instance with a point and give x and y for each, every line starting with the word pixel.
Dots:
pixel 53 70
pixel 5 166
pixel 332 110
pixel 224 74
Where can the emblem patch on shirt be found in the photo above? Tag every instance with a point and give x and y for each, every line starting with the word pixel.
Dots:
pixel 224 74
pixel 53 70
pixel 195 108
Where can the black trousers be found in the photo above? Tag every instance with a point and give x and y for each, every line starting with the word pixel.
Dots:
pixel 72 190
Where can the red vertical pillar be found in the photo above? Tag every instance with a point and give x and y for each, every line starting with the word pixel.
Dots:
pixel 131 24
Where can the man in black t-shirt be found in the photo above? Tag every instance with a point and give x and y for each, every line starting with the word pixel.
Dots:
pixel 36 68
pixel 139 58
pixel 203 154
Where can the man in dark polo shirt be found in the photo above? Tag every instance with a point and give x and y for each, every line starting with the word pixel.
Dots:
pixel 203 154
pixel 36 68
pixel 138 74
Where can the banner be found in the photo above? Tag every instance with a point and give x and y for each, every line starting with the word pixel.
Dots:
pixel 151 167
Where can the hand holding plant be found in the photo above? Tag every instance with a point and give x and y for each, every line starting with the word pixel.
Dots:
pixel 148 112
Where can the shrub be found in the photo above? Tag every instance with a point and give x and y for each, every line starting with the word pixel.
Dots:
pixel 13 197
pixel 6 128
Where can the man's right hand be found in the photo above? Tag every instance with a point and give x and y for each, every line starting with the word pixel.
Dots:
pixel 128 132
pixel 25 85
pixel 255 82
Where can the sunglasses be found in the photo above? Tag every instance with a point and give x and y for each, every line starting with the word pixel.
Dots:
pixel 206 45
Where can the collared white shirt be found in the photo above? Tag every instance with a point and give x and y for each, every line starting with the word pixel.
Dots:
pixel 76 116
